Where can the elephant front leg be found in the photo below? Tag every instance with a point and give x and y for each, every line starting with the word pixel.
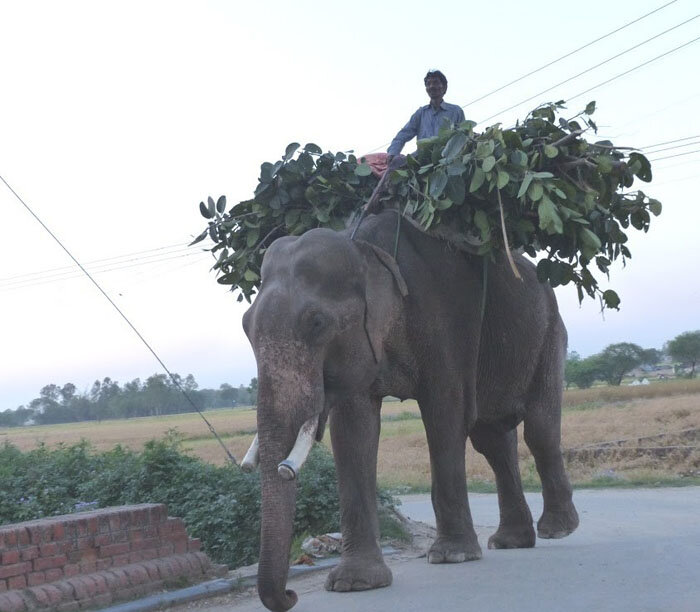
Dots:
pixel 354 426
pixel 446 432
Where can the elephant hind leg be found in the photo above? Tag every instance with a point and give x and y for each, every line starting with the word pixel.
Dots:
pixel 500 448
pixel 543 437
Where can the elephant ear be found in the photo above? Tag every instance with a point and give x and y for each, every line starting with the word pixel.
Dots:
pixel 382 296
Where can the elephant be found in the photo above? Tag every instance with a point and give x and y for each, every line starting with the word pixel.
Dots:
pixel 339 323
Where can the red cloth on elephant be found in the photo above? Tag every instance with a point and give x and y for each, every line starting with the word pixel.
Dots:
pixel 376 161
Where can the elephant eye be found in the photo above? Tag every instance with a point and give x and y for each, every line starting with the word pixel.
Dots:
pixel 315 324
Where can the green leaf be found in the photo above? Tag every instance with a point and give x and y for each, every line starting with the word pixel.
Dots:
pixel 551 151
pixel 543 270
pixel 221 204
pixel 211 206
pixel 503 179
pixel 454 145
pixel 488 163
pixel 363 170
pixel 204 210
pixel 525 184
pixel 644 173
pixel 550 221
pixel 250 276
pixel 611 299
pixel 456 189
pixel 290 150
pixel 313 148
pixel 604 164
pixel 482 223
pixel 477 180
pixel 655 207
pixel 438 182
pixel 590 108
pixel 535 192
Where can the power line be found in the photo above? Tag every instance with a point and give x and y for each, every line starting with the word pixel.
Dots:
pixel 690 42
pixel 658 144
pixel 96 268
pixel 73 274
pixel 680 146
pixel 126 319
pixel 568 54
pixel 676 155
pixel 551 63
pixel 610 59
pixel 96 261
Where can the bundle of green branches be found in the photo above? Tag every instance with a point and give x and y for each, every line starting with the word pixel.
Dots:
pixel 539 186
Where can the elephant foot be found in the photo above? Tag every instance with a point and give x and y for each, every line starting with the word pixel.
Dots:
pixel 513 536
pixel 454 550
pixel 557 523
pixel 358 574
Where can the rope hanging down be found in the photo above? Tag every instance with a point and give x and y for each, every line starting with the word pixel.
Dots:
pixel 129 323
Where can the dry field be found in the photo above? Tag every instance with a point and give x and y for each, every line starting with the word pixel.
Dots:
pixel 611 435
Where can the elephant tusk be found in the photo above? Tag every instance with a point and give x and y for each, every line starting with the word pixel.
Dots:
pixel 289 468
pixel 252 457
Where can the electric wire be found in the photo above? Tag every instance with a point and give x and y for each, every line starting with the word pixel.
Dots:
pixel 676 155
pixel 126 319
pixel 658 144
pixel 610 59
pixel 96 261
pixel 567 55
pixel 653 59
pixel 680 146
pixel 73 274
pixel 551 63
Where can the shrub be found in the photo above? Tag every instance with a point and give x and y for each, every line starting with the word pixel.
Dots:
pixel 219 505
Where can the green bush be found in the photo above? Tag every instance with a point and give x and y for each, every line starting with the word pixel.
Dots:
pixel 219 505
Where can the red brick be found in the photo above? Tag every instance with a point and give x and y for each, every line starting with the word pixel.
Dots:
pixel 88 567
pixel 9 539
pixel 46 596
pixel 113 550
pixel 120 575
pixel 12 602
pixel 68 606
pixel 71 569
pixel 93 525
pixel 59 531
pixel 23 536
pixel 45 563
pixel 103 539
pixel 100 583
pixel 114 522
pixel 145 543
pixel 152 568
pixel 16 582
pixel 120 560
pixel 30 553
pixel 54 574
pixel 49 550
pixel 36 578
pixel 40 533
pixel 165 550
pixel 137 574
pixel 11 556
pixel 203 560
pixel 103 564
pixel 149 554
pixel 121 536
pixel 3 586
pixel 15 569
pixel 66 589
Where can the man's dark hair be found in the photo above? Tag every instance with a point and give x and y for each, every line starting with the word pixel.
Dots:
pixel 435 73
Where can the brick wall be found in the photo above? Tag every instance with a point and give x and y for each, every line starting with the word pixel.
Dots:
pixel 92 559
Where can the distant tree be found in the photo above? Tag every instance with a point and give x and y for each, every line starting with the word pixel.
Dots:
pixel 253 390
pixel 617 359
pixel 582 372
pixel 686 348
pixel 228 395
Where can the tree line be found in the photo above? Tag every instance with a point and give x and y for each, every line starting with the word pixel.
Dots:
pixel 107 399
pixel 616 360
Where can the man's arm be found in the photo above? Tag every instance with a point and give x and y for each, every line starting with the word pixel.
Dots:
pixel 408 131
pixel 460 116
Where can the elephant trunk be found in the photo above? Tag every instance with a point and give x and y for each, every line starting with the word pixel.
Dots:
pixel 287 422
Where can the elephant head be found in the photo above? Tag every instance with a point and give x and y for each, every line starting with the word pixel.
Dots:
pixel 317 327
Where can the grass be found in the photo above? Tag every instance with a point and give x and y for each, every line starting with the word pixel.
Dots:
pixel 589 417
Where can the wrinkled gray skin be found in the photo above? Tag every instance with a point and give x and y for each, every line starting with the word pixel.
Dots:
pixel 333 333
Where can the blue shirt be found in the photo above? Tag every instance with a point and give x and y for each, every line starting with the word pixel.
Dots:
pixel 426 123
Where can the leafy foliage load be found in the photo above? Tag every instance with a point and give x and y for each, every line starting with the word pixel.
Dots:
pixel 219 505
pixel 539 186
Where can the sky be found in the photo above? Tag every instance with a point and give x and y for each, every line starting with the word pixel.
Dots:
pixel 118 118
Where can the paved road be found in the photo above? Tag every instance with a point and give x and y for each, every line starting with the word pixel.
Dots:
pixel 636 550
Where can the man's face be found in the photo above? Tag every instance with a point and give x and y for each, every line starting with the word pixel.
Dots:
pixel 435 88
